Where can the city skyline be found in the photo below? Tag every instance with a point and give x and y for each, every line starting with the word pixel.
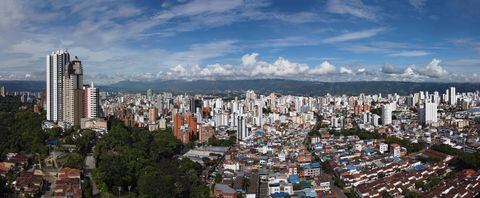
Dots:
pixel 240 98
pixel 416 40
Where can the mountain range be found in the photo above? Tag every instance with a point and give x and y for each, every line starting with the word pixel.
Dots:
pixel 264 86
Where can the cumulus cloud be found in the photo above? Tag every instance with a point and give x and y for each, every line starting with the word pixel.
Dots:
pixel 212 71
pixel 433 69
pixel 217 70
pixel 281 67
pixel 252 67
pixel 249 59
pixel 345 70
pixel 409 71
pixel 324 68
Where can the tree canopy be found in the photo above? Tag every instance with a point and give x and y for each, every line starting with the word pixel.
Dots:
pixel 20 129
pixel 146 164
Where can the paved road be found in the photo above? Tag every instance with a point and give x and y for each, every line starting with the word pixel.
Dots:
pixel 89 166
pixel 337 190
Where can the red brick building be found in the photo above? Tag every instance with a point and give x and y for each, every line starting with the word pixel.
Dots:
pixel 185 127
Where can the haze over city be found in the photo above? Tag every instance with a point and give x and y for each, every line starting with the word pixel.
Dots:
pixel 328 40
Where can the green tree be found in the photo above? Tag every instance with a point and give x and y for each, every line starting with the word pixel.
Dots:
pixel 146 163
pixel 72 160
pixel 85 142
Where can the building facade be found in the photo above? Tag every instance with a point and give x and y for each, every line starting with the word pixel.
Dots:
pixel 73 93
pixel 55 64
pixel 92 102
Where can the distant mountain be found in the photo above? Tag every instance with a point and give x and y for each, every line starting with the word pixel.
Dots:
pixel 264 86
pixel 291 86
pixel 21 85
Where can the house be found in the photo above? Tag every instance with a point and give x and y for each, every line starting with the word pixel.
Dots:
pixel 280 188
pixel 224 191
pixel 18 160
pixel 28 184
pixel 395 150
pixel 5 167
pixel 68 183
pixel 311 170
pixel 383 148
pixel 324 184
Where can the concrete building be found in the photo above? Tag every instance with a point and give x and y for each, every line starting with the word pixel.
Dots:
pixel 152 115
pixel 383 148
pixel 452 98
pixel 395 150
pixel 427 113
pixel 55 65
pixel 92 103
pixel 73 93
pixel 386 114
pixel 242 132
pixel 185 127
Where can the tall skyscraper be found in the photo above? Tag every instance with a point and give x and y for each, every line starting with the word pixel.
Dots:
pixel 91 104
pixel 427 113
pixel 452 96
pixel 55 64
pixel 386 114
pixel 73 93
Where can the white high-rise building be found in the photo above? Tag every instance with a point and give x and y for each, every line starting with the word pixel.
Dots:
pixel 92 101
pixel 453 96
pixel 55 64
pixel 427 113
pixel 386 114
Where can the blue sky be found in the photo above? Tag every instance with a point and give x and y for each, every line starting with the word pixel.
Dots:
pixel 325 40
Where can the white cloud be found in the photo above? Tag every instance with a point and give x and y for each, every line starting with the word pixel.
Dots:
pixel 281 67
pixel 251 67
pixel 249 59
pixel 433 69
pixel 355 8
pixel 412 53
pixel 409 71
pixel 345 70
pixel 324 68
pixel 217 70
pixel 354 35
